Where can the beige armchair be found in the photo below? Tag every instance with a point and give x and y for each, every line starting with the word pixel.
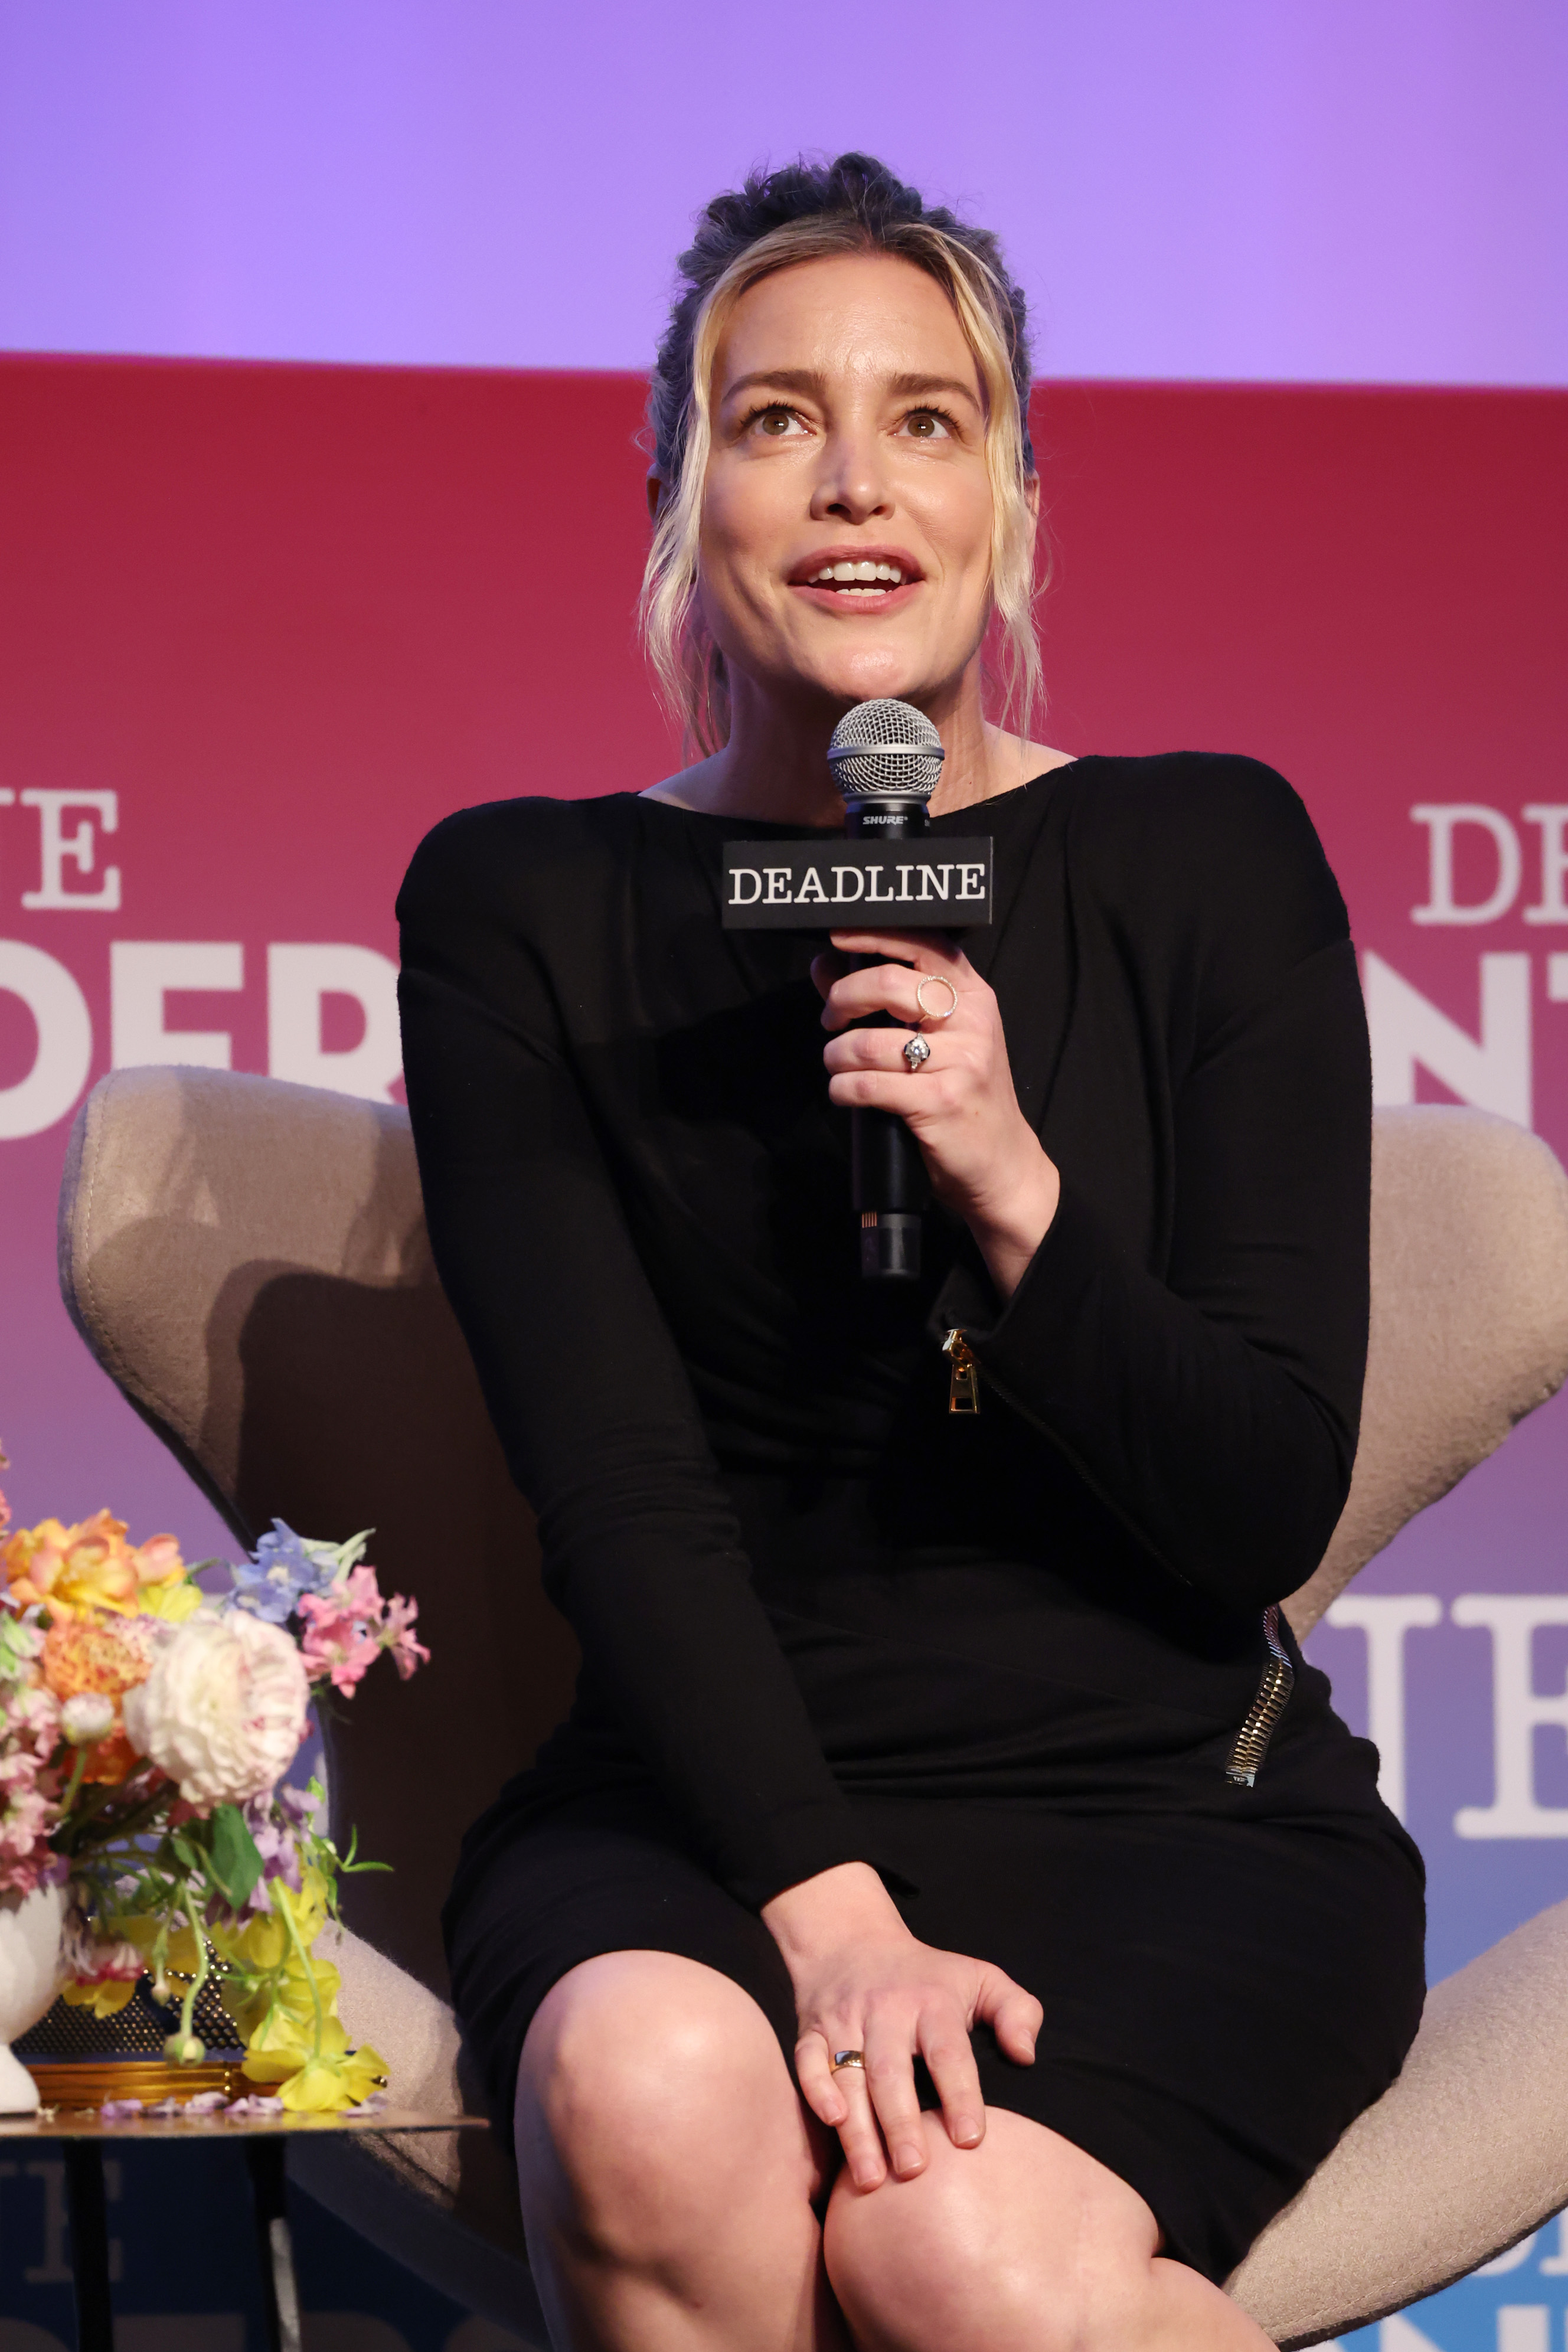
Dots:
pixel 248 1261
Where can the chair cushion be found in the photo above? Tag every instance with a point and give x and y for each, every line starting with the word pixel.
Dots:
pixel 1465 2154
pixel 1469 1319
pixel 248 1260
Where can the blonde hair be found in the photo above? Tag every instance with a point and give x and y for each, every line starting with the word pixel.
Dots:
pixel 688 664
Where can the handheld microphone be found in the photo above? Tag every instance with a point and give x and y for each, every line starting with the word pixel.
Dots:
pixel 886 759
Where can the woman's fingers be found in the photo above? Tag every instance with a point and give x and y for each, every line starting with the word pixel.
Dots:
pixel 861 2140
pixel 841 2099
pixel 889 985
pixel 950 2060
pixel 1014 2015
pixel 890 2074
pixel 818 2084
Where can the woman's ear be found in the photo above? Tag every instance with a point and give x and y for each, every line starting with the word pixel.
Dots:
pixel 655 493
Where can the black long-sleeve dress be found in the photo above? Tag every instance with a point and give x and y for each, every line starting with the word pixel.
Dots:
pixel 1005 1656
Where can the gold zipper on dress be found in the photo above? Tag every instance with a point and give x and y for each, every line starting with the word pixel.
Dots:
pixel 963 1382
pixel 1275 1686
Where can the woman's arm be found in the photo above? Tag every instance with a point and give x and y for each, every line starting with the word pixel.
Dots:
pixel 1213 1409
pixel 585 1386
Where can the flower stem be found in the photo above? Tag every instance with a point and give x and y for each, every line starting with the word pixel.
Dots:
pixel 197 1920
pixel 74 1783
pixel 294 1938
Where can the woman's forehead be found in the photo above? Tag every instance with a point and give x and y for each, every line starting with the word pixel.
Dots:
pixel 853 313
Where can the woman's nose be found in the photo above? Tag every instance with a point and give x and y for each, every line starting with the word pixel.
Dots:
pixel 850 483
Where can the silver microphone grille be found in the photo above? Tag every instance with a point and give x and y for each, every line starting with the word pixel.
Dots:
pixel 885 751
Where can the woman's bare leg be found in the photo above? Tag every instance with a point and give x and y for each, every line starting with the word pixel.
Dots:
pixel 1022 2244
pixel 667 2168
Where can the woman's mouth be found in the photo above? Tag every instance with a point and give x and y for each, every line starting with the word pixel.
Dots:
pixel 857 578
pixel 867 582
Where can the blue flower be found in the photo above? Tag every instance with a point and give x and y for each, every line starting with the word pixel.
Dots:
pixel 284 1567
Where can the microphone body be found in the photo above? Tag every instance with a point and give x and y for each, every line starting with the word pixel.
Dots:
pixel 886 759
pixel 889 1187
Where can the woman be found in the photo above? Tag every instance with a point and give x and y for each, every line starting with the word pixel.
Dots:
pixel 946 1756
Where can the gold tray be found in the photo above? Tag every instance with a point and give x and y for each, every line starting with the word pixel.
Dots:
pixel 87 2082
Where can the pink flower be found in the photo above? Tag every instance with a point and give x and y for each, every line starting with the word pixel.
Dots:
pixel 89 1958
pixel 398 1636
pixel 343 1633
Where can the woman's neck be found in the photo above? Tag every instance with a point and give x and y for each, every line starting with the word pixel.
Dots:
pixel 774 765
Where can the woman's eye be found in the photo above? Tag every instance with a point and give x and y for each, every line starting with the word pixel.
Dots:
pixel 927 425
pixel 778 424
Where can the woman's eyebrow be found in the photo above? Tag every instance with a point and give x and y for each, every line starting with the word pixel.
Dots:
pixel 902 387
pixel 906 387
pixel 775 380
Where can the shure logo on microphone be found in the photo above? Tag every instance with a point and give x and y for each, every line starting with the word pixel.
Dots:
pixel 798 884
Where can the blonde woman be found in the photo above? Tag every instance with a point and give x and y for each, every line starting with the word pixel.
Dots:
pixel 953 1919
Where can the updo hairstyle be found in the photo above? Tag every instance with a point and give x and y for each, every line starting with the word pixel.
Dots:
pixel 806 212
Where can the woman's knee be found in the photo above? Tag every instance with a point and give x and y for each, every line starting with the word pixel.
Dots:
pixel 1020 2245
pixel 651 2087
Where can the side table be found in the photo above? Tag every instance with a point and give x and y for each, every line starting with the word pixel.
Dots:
pixel 84 2136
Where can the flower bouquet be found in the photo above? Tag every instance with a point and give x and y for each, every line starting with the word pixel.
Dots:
pixel 147 1730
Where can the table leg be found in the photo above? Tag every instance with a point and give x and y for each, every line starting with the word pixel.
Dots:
pixel 280 2294
pixel 89 2245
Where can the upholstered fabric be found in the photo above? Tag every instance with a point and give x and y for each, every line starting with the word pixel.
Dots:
pixel 248 1261
pixel 1467 2153
pixel 1469 1319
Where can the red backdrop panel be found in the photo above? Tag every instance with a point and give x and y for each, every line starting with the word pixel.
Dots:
pixel 288 616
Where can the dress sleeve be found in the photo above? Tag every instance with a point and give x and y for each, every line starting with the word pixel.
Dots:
pixel 588 1393
pixel 1213 1407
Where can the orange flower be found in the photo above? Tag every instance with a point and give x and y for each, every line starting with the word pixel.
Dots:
pixel 110 1655
pixel 71 1570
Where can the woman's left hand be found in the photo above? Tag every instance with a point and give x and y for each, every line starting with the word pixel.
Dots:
pixel 984 1159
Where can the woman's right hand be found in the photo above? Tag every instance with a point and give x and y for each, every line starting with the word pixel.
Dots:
pixel 862 1981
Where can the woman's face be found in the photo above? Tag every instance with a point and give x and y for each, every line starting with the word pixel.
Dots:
pixel 845 543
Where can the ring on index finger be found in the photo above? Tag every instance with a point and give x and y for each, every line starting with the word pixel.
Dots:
pixel 943 982
pixel 847 2058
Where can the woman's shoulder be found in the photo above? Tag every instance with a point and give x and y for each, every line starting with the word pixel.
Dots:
pixel 530 847
pixel 1203 834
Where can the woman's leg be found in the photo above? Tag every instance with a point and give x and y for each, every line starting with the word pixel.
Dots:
pixel 1022 2244
pixel 667 2168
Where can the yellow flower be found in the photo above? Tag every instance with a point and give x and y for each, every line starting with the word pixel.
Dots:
pixel 174 1600
pixel 327 2086
pixel 72 1570
pixel 105 1999
pixel 308 2080
pixel 180 1957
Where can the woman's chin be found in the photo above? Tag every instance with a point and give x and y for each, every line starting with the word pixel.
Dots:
pixel 866 673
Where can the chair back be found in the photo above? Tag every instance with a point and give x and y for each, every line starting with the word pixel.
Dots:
pixel 248 1261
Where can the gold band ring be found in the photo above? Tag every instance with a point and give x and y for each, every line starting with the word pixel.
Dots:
pixel 843 2058
pixel 919 996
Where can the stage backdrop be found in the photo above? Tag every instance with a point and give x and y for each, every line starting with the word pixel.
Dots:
pixel 262 625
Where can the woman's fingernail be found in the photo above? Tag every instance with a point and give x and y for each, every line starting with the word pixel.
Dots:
pixel 864 2175
pixel 908 2158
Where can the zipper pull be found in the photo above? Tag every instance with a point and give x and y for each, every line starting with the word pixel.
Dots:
pixel 963 1386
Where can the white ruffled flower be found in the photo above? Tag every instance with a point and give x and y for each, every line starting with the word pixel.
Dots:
pixel 224 1708
pixel 87 1717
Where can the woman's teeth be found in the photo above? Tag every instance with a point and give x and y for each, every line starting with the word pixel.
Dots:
pixel 859 579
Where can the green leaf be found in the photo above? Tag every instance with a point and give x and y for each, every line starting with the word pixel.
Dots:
pixel 236 1864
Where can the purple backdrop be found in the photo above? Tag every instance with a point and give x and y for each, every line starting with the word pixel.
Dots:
pixel 1359 190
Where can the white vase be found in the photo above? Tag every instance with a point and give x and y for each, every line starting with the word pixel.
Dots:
pixel 30 1977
